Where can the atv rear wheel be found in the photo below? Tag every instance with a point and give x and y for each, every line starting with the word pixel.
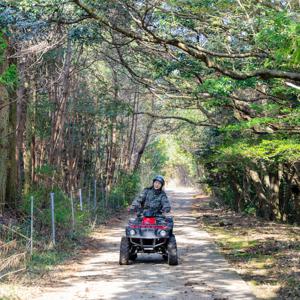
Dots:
pixel 124 251
pixel 172 251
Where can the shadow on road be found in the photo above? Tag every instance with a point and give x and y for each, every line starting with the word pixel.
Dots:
pixel 202 272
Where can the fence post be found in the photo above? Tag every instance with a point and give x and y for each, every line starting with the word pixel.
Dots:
pixel 89 197
pixel 52 218
pixel 95 194
pixel 72 210
pixel 80 199
pixel 31 225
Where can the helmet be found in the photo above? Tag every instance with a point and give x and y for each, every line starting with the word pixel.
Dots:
pixel 160 179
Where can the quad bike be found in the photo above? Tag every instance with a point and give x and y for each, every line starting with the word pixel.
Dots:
pixel 149 233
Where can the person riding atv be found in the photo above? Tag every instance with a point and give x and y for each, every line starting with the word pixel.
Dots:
pixel 153 198
pixel 151 231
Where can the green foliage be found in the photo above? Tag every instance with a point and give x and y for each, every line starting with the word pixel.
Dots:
pixel 44 261
pixel 250 210
pixel 166 156
pixel 3 46
pixel 126 188
pixel 9 77
pixel 86 34
pixel 155 158
pixel 280 32
pixel 45 170
pixel 238 171
pixel 295 48
pixel 249 124
pixel 62 203
pixel 178 157
pixel 185 67
pixel 222 86
pixel 272 150
pixel 42 110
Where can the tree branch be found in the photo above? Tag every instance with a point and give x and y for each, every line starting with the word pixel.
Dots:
pixel 193 51
pixel 176 118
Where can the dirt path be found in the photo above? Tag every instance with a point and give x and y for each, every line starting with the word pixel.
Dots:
pixel 202 272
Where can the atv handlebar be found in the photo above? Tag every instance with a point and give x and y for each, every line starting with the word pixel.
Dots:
pixel 146 213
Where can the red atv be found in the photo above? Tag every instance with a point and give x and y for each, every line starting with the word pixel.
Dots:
pixel 149 233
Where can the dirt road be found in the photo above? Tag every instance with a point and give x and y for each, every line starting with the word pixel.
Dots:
pixel 202 272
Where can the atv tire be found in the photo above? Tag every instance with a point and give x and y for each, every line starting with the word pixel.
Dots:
pixel 124 251
pixel 172 251
pixel 133 257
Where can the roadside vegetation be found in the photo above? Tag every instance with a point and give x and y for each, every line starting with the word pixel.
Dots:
pixel 266 254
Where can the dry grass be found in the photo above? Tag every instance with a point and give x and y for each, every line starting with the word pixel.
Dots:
pixel 47 267
pixel 266 254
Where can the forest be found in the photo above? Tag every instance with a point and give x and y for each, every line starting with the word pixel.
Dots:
pixel 110 93
pixel 88 88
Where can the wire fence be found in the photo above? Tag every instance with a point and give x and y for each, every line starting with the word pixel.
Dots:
pixel 48 221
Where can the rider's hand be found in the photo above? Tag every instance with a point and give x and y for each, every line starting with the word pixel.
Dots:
pixel 131 210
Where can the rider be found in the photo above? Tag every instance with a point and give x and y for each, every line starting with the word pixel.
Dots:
pixel 153 198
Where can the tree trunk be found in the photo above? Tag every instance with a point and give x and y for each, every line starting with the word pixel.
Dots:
pixel 132 134
pixel 143 146
pixel 4 128
pixel 133 144
pixel 21 125
pixel 265 209
pixel 60 118
pixel 11 187
pixel 112 157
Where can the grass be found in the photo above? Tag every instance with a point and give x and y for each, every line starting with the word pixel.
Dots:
pixel 41 267
pixel 44 261
pixel 265 254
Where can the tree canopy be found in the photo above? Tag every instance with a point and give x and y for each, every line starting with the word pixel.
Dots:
pixel 91 85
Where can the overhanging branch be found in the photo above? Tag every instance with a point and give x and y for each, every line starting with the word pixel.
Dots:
pixel 191 50
pixel 203 124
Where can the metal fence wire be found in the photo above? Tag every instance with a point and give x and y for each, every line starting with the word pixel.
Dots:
pixel 84 206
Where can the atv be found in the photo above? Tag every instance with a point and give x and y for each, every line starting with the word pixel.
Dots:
pixel 149 233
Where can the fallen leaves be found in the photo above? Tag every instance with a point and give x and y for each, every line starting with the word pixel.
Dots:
pixel 263 252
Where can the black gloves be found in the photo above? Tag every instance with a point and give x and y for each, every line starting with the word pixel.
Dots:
pixel 166 209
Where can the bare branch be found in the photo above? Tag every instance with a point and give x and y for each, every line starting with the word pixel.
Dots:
pixel 176 118
pixel 292 85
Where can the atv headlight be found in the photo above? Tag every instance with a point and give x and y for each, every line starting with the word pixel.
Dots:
pixel 132 232
pixel 162 233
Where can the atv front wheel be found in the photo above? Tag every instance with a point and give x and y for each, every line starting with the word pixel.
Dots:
pixel 133 257
pixel 165 257
pixel 172 251
pixel 124 251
